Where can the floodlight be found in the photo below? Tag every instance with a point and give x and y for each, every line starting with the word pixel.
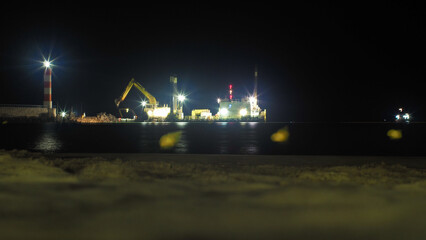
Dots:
pixel 46 64
pixel 181 98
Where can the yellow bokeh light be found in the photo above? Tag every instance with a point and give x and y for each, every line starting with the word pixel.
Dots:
pixel 169 140
pixel 281 135
pixel 394 134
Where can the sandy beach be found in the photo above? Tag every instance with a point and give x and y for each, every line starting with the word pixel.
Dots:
pixel 169 196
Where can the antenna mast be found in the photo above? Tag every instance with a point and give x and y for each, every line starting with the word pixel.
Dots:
pixel 255 82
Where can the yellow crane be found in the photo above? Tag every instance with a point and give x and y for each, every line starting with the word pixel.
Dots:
pixel 154 112
pixel 151 99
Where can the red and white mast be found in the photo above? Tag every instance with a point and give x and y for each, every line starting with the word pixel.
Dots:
pixel 47 101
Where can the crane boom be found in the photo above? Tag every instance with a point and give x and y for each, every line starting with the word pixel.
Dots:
pixel 151 99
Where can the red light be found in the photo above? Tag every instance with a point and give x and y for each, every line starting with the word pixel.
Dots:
pixel 230 97
pixel 230 86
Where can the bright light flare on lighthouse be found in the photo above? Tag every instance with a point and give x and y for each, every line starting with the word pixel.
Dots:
pixel 46 64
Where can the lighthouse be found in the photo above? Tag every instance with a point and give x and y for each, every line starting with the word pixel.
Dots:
pixel 47 81
pixel 47 101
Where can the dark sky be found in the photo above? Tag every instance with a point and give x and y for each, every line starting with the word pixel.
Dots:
pixel 317 61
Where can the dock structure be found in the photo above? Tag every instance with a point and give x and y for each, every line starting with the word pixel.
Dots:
pixel 26 111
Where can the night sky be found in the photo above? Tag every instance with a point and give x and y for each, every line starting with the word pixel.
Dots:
pixel 316 61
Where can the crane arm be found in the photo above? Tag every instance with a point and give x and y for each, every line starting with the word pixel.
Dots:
pixel 124 94
pixel 132 82
pixel 151 99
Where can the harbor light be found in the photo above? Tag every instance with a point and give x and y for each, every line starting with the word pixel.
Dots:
pixel 181 98
pixel 223 111
pixel 161 112
pixel 46 64
pixel 63 114
pixel 243 112
pixel 252 100
pixel 143 103
pixel 406 116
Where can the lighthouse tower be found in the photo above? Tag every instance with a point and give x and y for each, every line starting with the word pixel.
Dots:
pixel 47 81
pixel 47 101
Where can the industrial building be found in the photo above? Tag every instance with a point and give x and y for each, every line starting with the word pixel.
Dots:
pixel 201 114
pixel 240 109
pixel 246 108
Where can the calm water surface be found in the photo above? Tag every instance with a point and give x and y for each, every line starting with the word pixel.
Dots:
pixel 217 138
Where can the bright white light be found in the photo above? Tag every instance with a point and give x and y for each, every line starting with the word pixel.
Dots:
pixel 181 98
pixel 143 103
pixel 161 112
pixel 397 116
pixel 46 64
pixel 63 114
pixel 218 100
pixel 406 116
pixel 243 112
pixel 400 109
pixel 252 99
pixel 223 111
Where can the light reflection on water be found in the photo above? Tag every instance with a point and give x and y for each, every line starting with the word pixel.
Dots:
pixel 249 140
pixel 224 142
pixel 223 146
pixel 238 137
pixel 214 138
pixel 48 141
pixel 181 125
pixel 182 145
pixel 223 137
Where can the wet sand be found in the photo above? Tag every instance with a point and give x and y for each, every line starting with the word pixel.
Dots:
pixel 167 196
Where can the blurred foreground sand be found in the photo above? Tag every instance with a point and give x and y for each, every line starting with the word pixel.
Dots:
pixel 160 196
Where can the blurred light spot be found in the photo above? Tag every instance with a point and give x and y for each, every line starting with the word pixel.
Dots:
pixel 394 134
pixel 281 135
pixel 4 122
pixel 170 140
pixel 48 142
pixel 181 124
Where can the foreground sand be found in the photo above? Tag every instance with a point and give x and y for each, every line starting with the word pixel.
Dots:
pixel 149 196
